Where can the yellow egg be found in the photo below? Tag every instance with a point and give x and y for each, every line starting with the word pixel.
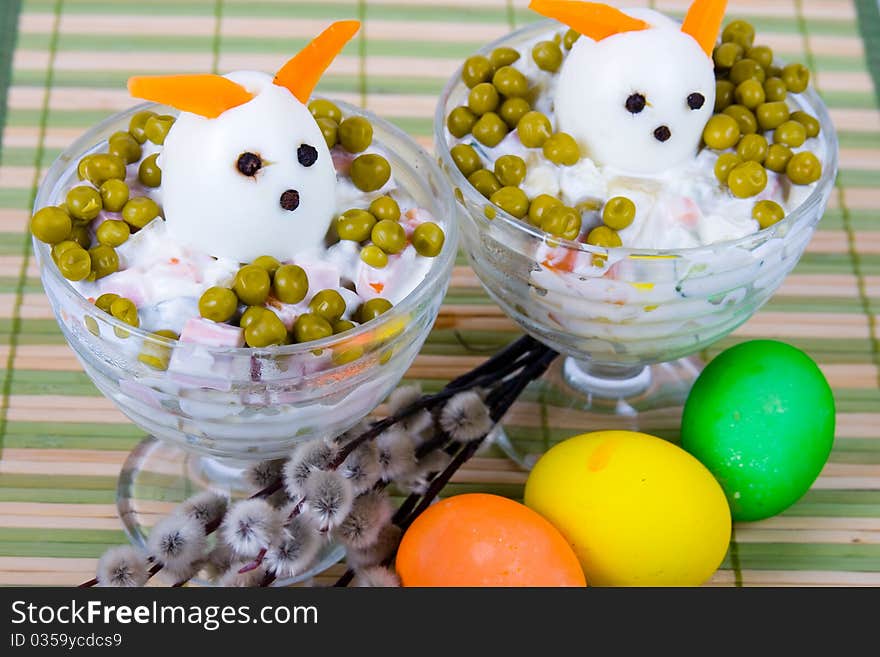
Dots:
pixel 637 510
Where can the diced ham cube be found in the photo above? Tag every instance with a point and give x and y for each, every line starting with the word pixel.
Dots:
pixel 203 331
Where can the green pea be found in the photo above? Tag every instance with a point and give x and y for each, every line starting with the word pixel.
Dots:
pixel 512 200
pixel 389 236
pixel 75 263
pixel 149 172
pixel 342 325
pixel 123 145
pixel 466 159
pixel 156 128
pixel 618 213
pixel 370 172
pixel 485 182
pixel 747 69
pixel 139 211
pixel 51 225
pixel 804 168
pixel 125 311
pixel 489 129
pixel 790 133
pixel 747 179
pixel 512 110
pixel 777 158
pixel 309 327
pixel 428 239
pixel 510 82
pixel 252 285
pixel 385 207
pixel 771 115
pixel 355 134
pixel 774 90
pixel 100 167
pixel 156 353
pixel 721 132
pixel 113 233
pixel 534 129
pixel 355 225
pixel 330 130
pixel 562 149
pixel 461 121
pixel 265 330
pixel 539 207
pixel 739 32
pixel 80 234
pixel 570 38
pixel 502 57
pixel 796 78
pixel 727 54
pixel 218 304
pixel 510 170
pixel 483 98
pixel 750 94
pixel 810 123
pixel 251 314
pixel 767 213
pixel 744 118
pixel 723 94
pixel 84 203
pixel 562 221
pixel 605 237
pixel 328 304
pixel 752 148
pixel 114 195
pixel 374 256
pixel 138 124
pixel 325 109
pixel 547 55
pixel 104 260
pixel 105 301
pixel 761 54
pixel 373 308
pixel 290 284
pixel 724 165
pixel 267 262
pixel 476 69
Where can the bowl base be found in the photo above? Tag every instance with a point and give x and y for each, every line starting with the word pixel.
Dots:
pixel 157 476
pixel 580 398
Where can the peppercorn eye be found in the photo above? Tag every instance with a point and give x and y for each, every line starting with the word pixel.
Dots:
pixel 307 155
pixel 249 163
pixel 635 103
pixel 695 100
pixel 290 200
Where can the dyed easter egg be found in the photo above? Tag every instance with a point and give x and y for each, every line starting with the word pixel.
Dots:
pixel 485 540
pixel 637 510
pixel 761 418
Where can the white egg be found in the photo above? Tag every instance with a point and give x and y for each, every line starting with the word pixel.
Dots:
pixel 663 65
pixel 209 204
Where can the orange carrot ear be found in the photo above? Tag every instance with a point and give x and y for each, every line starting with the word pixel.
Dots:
pixel 592 19
pixel 207 95
pixel 301 74
pixel 703 21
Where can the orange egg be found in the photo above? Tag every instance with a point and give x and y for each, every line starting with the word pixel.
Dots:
pixel 485 540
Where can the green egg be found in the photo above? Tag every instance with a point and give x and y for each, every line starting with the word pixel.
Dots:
pixel 761 418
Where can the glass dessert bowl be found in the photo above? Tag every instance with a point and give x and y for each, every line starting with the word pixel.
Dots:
pixel 626 320
pixel 212 411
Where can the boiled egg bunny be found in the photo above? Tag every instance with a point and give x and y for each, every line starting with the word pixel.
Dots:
pixel 637 89
pixel 246 170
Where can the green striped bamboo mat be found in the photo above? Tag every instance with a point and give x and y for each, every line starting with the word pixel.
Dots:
pixel 63 444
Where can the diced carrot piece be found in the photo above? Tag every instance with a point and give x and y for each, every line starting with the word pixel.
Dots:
pixel 301 73
pixel 378 287
pixel 206 95
pixel 703 21
pixel 592 19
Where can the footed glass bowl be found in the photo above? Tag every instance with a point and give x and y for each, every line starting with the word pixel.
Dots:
pixel 214 411
pixel 625 319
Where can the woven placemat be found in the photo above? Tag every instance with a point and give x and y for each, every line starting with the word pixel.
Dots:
pixel 63 443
